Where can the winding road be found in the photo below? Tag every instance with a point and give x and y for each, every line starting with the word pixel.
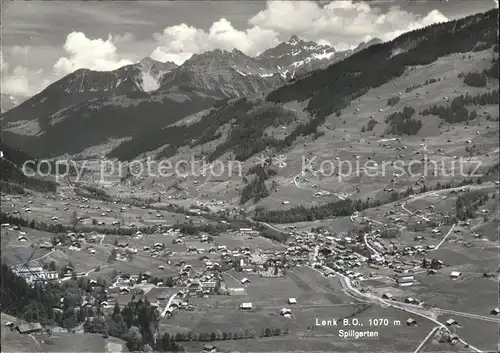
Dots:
pixel 346 283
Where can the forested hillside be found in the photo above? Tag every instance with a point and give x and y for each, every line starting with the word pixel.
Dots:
pixel 328 91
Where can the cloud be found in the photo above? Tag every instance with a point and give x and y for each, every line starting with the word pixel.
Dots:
pixel 94 54
pixel 18 50
pixel 178 43
pixel 16 82
pixel 125 38
pixel 340 21
pixel 342 24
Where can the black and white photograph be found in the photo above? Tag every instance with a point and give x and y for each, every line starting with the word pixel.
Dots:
pixel 249 176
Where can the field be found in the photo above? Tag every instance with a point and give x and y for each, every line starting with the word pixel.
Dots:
pixel 12 341
pixel 73 343
pixel 343 137
pixel 237 241
pixel 43 209
pixel 481 334
pixel 474 295
pixel 396 337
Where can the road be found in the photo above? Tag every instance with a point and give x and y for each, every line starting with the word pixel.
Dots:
pixel 346 283
pixel 169 303
pixel 444 238
pixel 265 224
pixel 314 190
pixel 369 246
pixel 84 275
pixel 356 215
pixel 469 315
pixel 36 341
pixel 426 339
pixel 412 213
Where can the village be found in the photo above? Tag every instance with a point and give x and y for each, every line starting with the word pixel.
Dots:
pixel 181 270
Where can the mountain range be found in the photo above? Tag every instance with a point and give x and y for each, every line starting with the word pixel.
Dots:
pixel 88 108
pixel 9 101
pixel 438 83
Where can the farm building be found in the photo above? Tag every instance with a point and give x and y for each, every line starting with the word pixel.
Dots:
pixel 124 290
pixel 411 322
pixel 455 274
pixel 31 328
pixel 292 301
pixel 495 311
pixel 285 312
pixel 246 306
pixel 46 245
pixel 405 279
pixel 209 348
pixel 237 290
pixel 194 287
pixel 450 322
pixel 208 286
pixel 245 280
pixel 387 296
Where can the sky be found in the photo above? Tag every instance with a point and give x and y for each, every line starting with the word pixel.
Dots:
pixel 42 41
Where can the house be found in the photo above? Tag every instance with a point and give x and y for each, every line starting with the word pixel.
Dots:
pixel 292 301
pixel 246 306
pixel 209 348
pixel 455 274
pixel 46 245
pixel 411 322
pixel 405 279
pixel 285 312
pixel 450 322
pixel 410 300
pixel 31 328
pixel 147 274
pixel 208 286
pixel 194 287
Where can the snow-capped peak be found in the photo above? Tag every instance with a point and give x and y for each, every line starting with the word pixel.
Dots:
pixel 294 40
pixel 151 72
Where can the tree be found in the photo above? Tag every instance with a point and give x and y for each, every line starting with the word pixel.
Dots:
pixel 112 255
pixel 52 266
pixel 73 220
pixel 460 208
pixel 134 339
